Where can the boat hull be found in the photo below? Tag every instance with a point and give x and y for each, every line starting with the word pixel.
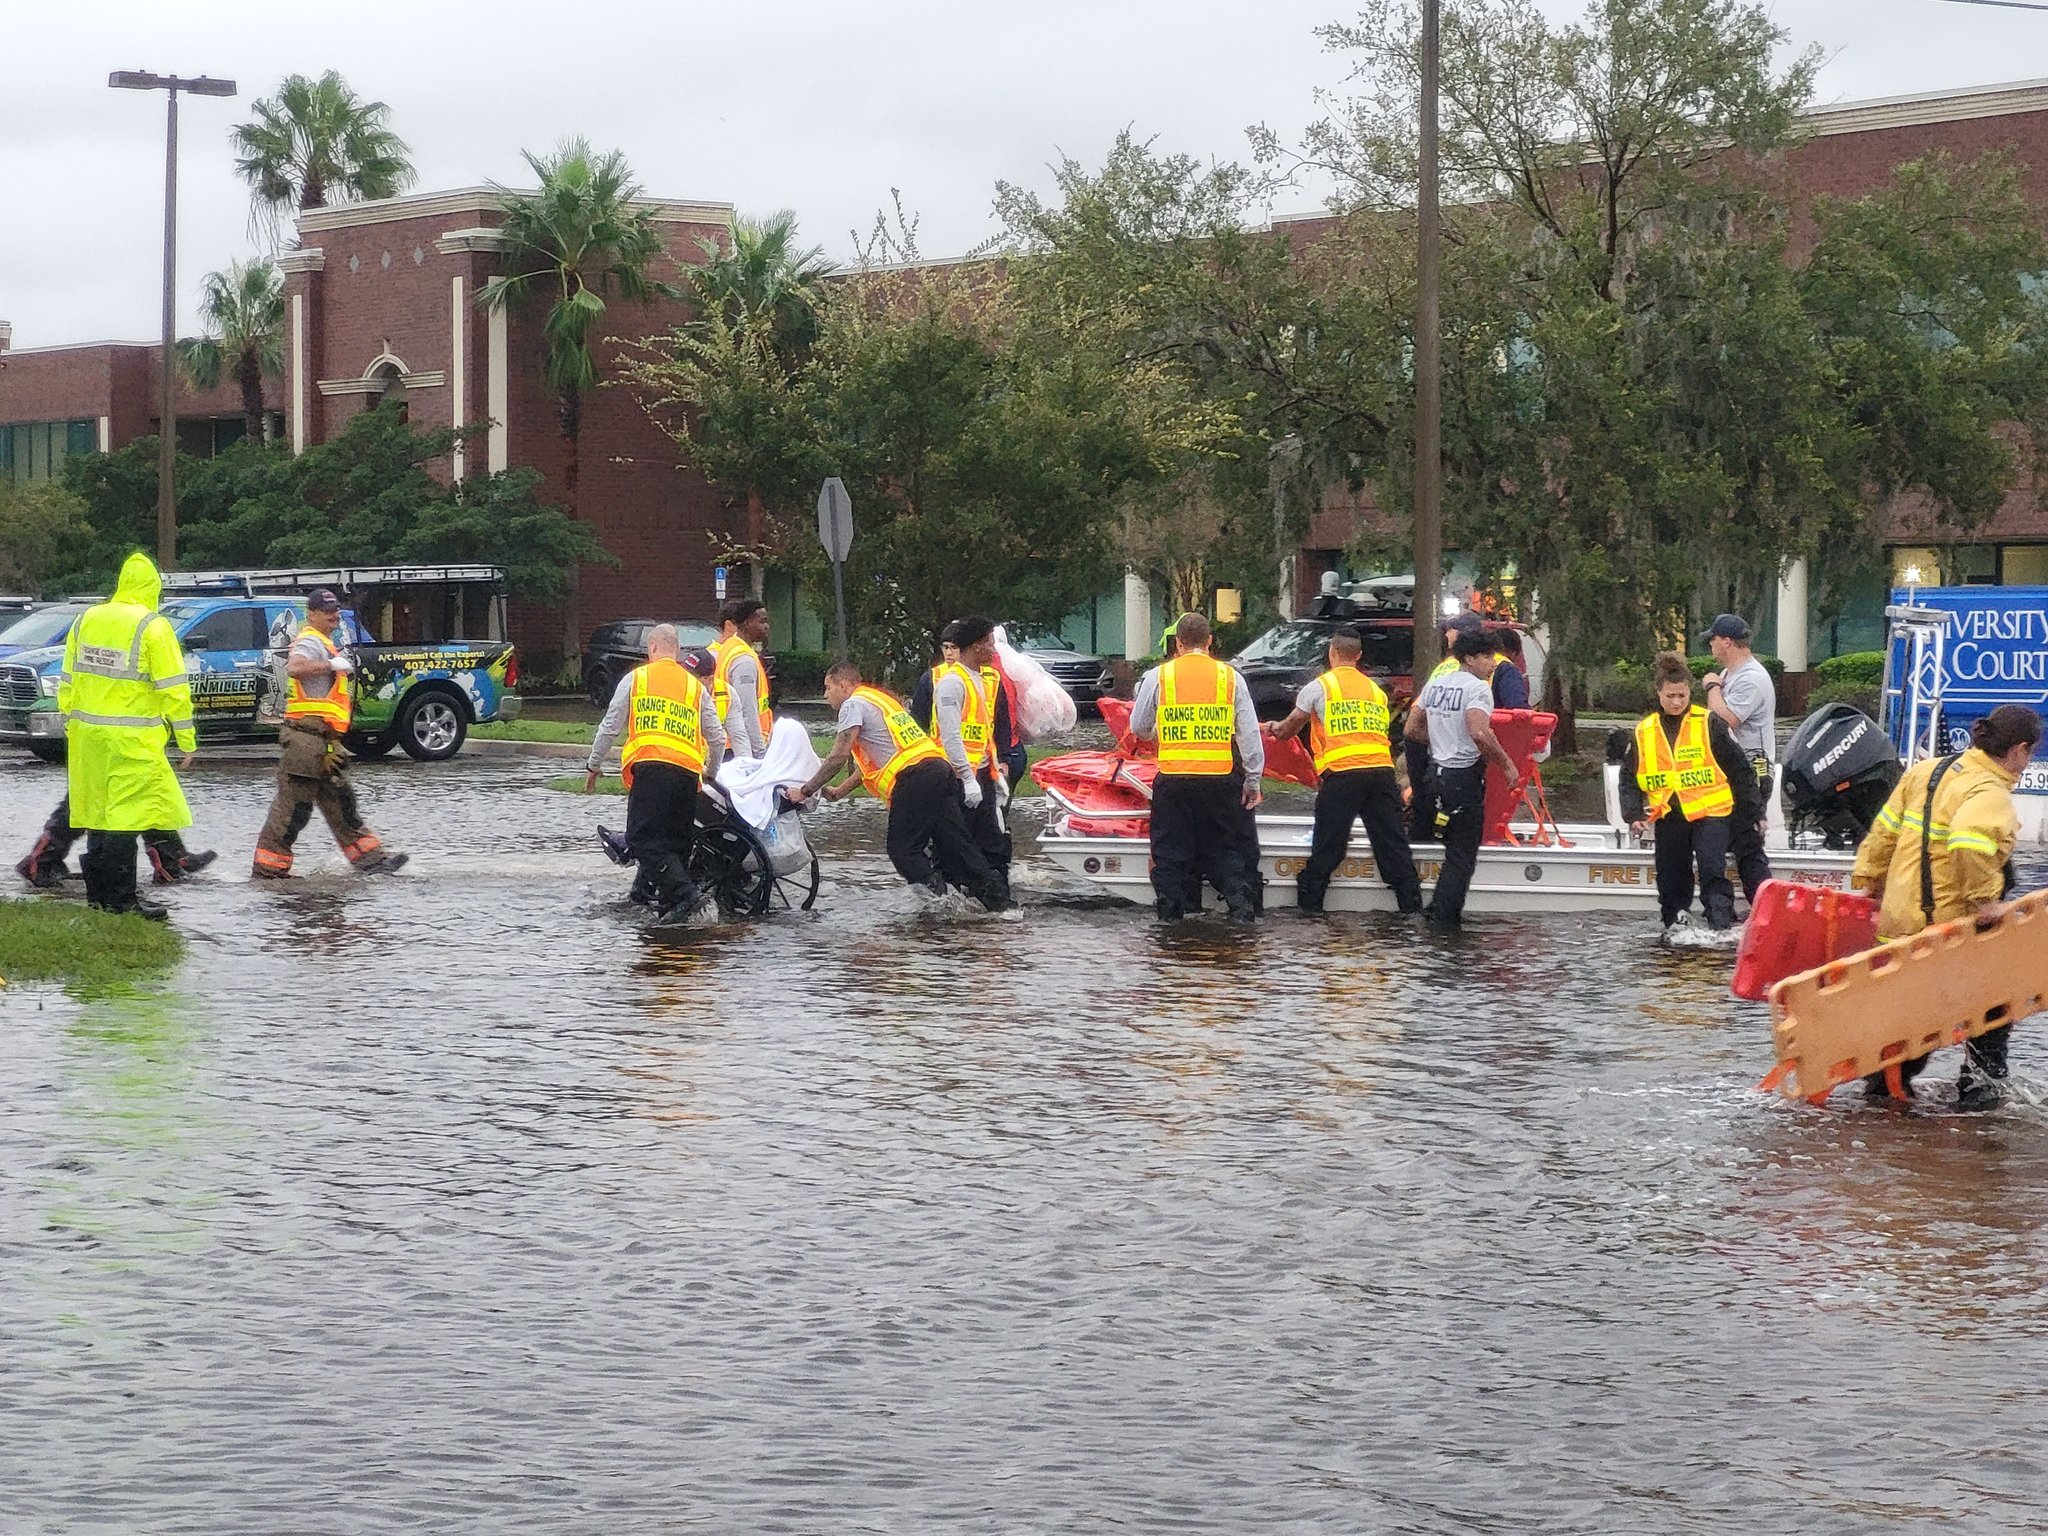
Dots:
pixel 1600 870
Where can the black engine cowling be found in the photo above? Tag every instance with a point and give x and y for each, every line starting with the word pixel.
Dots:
pixel 1837 771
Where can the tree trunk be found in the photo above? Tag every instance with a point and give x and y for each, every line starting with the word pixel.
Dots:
pixel 1559 702
pixel 572 606
pixel 757 539
pixel 251 372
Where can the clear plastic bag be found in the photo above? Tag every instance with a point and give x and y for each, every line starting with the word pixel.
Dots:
pixel 1044 708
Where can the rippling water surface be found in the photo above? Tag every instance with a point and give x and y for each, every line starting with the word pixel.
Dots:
pixel 458 1202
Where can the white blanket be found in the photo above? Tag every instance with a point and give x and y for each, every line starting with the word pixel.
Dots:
pixel 750 782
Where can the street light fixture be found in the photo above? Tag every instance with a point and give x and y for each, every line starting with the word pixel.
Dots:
pixel 167 434
pixel 1429 485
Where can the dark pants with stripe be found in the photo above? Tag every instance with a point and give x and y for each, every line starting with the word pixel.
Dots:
pixel 929 836
pixel 985 825
pixel 1202 831
pixel 1421 791
pixel 661 824
pixel 1371 795
pixel 1461 796
pixel 1682 847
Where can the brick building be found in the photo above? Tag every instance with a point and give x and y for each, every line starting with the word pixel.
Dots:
pixel 58 401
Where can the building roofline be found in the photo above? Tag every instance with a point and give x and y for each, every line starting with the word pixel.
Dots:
pixel 460 200
pixel 1927 107
pixel 78 346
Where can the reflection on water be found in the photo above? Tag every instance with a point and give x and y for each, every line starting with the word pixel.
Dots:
pixel 461 1201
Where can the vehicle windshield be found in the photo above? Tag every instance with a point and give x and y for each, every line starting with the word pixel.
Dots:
pixel 1288 645
pixel 44 627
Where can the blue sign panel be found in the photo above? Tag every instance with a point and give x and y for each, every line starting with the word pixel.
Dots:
pixel 1997 653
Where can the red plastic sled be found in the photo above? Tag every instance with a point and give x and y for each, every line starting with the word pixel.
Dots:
pixel 1794 928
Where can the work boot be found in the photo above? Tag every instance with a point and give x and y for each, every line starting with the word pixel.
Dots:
pixel 614 845
pixel 383 863
pixel 1975 1094
pixel 258 872
pixel 141 906
pixel 37 871
pixel 192 863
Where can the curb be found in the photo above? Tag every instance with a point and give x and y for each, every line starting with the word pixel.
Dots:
pixel 558 749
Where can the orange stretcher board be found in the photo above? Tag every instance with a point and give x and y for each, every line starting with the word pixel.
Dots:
pixel 1861 1015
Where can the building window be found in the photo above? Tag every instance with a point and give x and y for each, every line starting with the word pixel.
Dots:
pixel 37 450
pixel 2025 565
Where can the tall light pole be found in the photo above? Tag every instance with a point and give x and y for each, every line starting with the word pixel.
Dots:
pixel 1429 401
pixel 167 436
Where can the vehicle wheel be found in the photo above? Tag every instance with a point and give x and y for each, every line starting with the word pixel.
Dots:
pixel 432 725
pixel 369 748
pixel 599 685
pixel 48 751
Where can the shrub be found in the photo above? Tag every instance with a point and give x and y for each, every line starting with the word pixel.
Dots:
pixel 1863 695
pixel 800 674
pixel 1861 667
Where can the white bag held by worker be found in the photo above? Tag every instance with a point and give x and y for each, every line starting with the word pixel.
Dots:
pixel 1044 708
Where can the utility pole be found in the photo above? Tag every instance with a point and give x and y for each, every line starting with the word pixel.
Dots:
pixel 167 436
pixel 1429 404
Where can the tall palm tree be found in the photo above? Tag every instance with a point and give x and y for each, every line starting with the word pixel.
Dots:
pixel 316 142
pixel 762 284
pixel 243 312
pixel 569 246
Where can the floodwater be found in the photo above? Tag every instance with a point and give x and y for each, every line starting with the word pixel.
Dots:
pixel 457 1202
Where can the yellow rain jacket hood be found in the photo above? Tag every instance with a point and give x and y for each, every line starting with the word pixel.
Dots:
pixel 123 693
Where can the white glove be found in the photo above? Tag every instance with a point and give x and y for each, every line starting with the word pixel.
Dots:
pixel 341 664
pixel 971 787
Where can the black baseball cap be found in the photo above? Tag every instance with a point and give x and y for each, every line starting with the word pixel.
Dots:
pixel 320 600
pixel 1727 626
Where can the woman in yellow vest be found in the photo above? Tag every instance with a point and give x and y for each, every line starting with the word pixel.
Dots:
pixel 1210 758
pixel 1940 851
pixel 900 765
pixel 673 744
pixel 1682 773
pixel 1347 715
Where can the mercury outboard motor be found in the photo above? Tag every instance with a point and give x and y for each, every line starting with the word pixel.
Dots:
pixel 1837 772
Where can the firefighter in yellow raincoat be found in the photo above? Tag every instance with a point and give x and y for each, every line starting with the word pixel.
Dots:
pixel 122 691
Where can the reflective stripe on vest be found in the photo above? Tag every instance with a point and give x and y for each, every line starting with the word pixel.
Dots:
pixel 331 710
pixel 1685 768
pixel 726 652
pixel 912 744
pixel 1197 715
pixel 1350 731
pixel 977 711
pixel 664 718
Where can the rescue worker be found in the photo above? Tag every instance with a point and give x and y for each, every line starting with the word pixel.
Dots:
pixel 1510 669
pixel 1453 717
pixel 1347 716
pixel 740 685
pixel 901 766
pixel 964 703
pixel 1422 798
pixel 313 770
pixel 122 688
pixel 1941 851
pixel 1210 759
pixel 169 859
pixel 1682 773
pixel 673 745
pixel 1742 696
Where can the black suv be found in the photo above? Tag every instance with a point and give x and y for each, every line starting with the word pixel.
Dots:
pixel 617 648
pixel 1279 662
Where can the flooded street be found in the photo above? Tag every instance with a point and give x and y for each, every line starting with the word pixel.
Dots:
pixel 455 1201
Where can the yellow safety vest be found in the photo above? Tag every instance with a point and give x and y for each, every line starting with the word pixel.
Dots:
pixel 977 713
pixel 912 745
pixel 664 718
pixel 1685 768
pixel 1351 731
pixel 333 709
pixel 728 651
pixel 1197 715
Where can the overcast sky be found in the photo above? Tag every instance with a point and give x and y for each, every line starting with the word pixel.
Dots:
pixel 818 107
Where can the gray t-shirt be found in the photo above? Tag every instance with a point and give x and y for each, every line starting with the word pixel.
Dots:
pixel 743 708
pixel 1748 691
pixel 309 648
pixel 865 716
pixel 1444 701
pixel 949 703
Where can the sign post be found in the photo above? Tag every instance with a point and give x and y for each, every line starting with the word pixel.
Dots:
pixel 835 532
